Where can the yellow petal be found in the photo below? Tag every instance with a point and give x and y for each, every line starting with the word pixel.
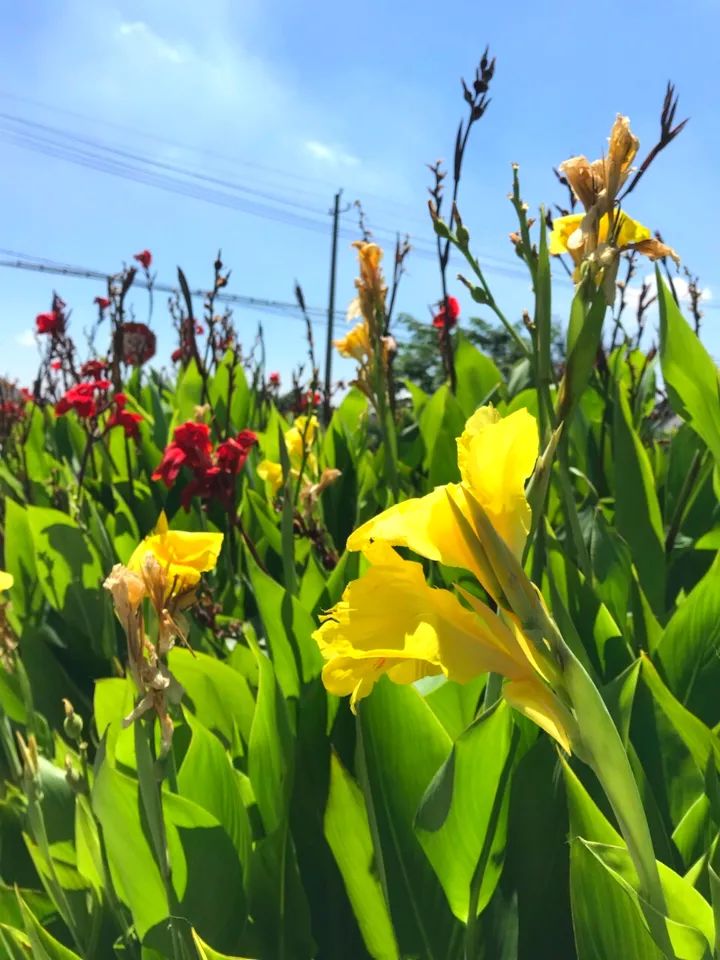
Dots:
pixel 390 621
pixel 535 701
pixel 628 230
pixel 496 455
pixel 272 474
pixel 563 229
pixel 426 525
pixel 6 580
pixel 183 555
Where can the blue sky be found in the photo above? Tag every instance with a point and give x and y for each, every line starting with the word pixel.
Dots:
pixel 294 100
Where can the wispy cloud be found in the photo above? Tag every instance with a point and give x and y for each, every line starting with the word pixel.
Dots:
pixel 632 294
pixel 25 339
pixel 140 34
pixel 330 154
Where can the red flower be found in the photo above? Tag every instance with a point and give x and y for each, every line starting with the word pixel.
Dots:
pixel 120 417
pixel 275 379
pixel 199 329
pixel 52 322
pixel 102 302
pixel 177 354
pixel 56 364
pixel 93 368
pixel 231 455
pixel 138 343
pixel 144 258
pixel 81 398
pixel 453 312
pixel 190 445
pixel 213 472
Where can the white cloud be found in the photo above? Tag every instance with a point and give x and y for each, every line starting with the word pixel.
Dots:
pixel 25 339
pixel 150 42
pixel 330 154
pixel 632 294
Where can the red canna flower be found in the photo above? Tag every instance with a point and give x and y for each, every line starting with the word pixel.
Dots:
pixel 52 322
pixel 120 417
pixel 274 379
pixel 102 302
pixel 82 398
pixel 144 258
pixel 56 364
pixel 93 368
pixel 199 329
pixel 138 343
pixel 452 311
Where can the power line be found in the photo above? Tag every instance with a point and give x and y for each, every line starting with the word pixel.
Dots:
pixel 44 265
pixel 60 144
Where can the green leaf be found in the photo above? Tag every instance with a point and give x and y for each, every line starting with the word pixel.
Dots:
pixel 206 952
pixel 348 832
pixel 441 421
pixel 637 512
pixel 583 339
pixel 478 379
pixel 690 374
pixel 396 772
pixel 207 777
pixel 70 575
pixel 116 802
pixel 19 560
pixel 688 650
pixel 217 694
pixel 462 819
pixel 288 628
pixel 270 760
pixel 44 946
pixel 606 910
pixel 188 394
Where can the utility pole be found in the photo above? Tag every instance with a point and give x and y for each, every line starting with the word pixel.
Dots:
pixel 331 309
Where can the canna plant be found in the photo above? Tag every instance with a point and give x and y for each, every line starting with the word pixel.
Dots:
pixel 434 679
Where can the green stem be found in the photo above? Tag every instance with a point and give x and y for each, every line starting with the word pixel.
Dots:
pixel 151 796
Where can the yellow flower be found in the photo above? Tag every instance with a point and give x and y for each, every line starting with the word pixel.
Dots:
pixel 495 456
pixel 566 236
pixel 355 345
pixel 391 622
pixel 180 555
pixel 272 474
pixel 299 439
pixel 6 580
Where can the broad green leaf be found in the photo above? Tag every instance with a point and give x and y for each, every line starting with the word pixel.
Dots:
pixel 690 375
pixel 44 946
pixel 462 818
pixel 348 833
pixel 116 803
pixel 70 574
pixel 19 560
pixel 478 379
pixel 689 648
pixel 396 772
pixel 441 422
pixel 207 777
pixel 217 694
pixel 270 757
pixel 288 628
pixel 206 952
pixel 637 513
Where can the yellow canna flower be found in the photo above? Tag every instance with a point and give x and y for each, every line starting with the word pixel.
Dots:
pixel 272 474
pixel 495 456
pixel 566 236
pixel 6 580
pixel 391 622
pixel 181 556
pixel 355 345
pixel 299 440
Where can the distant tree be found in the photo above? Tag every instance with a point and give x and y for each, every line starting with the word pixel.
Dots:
pixel 419 359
